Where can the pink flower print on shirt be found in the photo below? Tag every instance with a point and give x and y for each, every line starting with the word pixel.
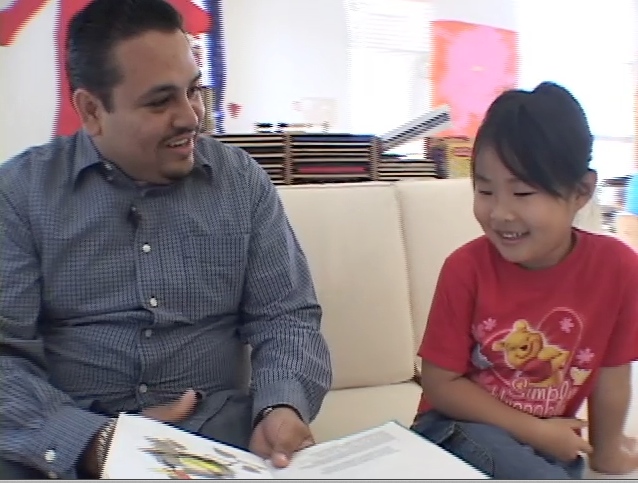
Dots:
pixel 584 356
pixel 489 324
pixel 566 325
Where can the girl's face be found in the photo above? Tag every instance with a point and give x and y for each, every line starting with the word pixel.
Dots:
pixel 528 227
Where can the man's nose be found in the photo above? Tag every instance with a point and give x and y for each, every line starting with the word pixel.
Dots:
pixel 187 115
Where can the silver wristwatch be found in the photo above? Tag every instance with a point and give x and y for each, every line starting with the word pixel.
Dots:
pixel 103 440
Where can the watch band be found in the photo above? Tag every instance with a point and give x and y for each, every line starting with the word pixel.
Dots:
pixel 269 409
pixel 103 440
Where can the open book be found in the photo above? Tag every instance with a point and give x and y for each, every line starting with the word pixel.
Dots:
pixel 142 448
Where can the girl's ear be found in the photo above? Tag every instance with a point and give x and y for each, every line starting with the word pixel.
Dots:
pixel 586 188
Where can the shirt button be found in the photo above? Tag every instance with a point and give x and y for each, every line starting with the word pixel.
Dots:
pixel 49 456
pixel 146 248
pixel 143 388
pixel 153 302
pixel 148 333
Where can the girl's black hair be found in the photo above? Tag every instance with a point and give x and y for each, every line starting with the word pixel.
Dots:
pixel 541 136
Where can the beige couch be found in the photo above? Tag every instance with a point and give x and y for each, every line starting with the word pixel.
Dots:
pixel 627 228
pixel 375 250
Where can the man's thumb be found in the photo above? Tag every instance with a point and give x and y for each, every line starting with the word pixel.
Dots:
pixel 283 451
pixel 175 411
pixel 184 406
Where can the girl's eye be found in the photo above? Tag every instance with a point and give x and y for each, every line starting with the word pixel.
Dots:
pixel 486 193
pixel 524 194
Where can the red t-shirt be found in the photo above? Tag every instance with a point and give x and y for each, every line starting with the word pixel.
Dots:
pixel 535 339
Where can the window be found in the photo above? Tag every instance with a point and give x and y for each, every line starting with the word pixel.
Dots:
pixel 589 48
pixel 389 51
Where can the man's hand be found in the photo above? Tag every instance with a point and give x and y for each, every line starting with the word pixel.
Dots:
pixel 175 411
pixel 558 437
pixel 620 460
pixel 172 412
pixel 279 435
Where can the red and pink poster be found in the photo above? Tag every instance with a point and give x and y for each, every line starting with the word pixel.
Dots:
pixel 471 65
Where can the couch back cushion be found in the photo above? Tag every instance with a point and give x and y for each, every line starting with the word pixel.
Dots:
pixel 352 237
pixel 437 218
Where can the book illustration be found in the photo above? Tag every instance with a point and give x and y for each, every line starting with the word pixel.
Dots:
pixel 144 449
pixel 178 463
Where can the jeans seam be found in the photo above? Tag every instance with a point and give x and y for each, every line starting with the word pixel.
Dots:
pixel 478 449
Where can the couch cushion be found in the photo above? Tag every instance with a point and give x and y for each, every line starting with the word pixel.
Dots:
pixel 627 228
pixel 590 218
pixel 437 218
pixel 352 238
pixel 348 411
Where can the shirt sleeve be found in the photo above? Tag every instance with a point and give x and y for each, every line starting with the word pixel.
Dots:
pixel 622 347
pixel 40 426
pixel 281 316
pixel 447 340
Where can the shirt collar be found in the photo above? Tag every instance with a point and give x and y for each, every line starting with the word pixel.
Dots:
pixel 87 155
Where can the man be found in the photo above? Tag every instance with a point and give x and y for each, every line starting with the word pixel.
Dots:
pixel 137 260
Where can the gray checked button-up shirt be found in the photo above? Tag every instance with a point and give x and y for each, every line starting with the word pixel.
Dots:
pixel 127 295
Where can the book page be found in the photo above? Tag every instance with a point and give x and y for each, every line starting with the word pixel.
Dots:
pixel 146 449
pixel 389 452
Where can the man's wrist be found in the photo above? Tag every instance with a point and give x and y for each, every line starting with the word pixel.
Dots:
pixel 261 415
pixel 103 442
pixel 95 453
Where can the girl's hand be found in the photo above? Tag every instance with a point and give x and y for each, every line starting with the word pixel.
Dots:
pixel 620 460
pixel 559 438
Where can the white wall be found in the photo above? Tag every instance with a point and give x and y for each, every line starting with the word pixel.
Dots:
pixel 493 13
pixel 27 84
pixel 280 51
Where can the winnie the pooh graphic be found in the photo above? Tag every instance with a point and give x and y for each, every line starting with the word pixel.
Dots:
pixel 526 351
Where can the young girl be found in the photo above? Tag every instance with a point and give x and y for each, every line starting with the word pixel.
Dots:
pixel 534 317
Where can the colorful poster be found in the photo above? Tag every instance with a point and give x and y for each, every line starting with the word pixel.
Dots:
pixel 471 65
pixel 200 20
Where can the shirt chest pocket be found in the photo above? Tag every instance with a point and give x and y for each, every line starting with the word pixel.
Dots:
pixel 215 267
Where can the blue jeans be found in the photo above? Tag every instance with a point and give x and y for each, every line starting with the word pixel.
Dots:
pixel 494 451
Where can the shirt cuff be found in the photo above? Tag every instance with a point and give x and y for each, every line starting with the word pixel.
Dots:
pixel 289 393
pixel 69 431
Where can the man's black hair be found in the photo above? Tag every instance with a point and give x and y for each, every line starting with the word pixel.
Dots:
pixel 95 30
pixel 541 136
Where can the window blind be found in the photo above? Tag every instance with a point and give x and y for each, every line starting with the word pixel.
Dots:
pixel 389 51
pixel 588 47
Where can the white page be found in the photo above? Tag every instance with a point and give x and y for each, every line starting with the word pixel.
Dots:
pixel 136 437
pixel 388 452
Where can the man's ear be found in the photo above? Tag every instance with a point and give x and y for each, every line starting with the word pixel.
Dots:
pixel 586 188
pixel 90 109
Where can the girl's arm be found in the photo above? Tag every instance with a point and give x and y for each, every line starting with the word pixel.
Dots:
pixel 459 398
pixel 609 402
pixel 446 348
pixel 608 408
